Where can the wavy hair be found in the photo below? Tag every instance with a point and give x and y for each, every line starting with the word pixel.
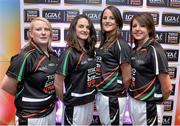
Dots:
pixel 72 39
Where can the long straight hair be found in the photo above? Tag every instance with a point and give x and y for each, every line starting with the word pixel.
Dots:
pixel 108 40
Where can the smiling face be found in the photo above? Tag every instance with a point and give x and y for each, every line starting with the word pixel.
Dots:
pixel 139 31
pixel 108 21
pixel 82 29
pixel 40 32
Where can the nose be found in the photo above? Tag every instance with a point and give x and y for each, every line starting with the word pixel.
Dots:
pixel 43 31
pixel 85 29
pixel 137 27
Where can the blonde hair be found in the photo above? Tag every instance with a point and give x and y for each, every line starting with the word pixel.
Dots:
pixel 48 24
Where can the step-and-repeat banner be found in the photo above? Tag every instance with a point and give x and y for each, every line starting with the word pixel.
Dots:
pixel 166 15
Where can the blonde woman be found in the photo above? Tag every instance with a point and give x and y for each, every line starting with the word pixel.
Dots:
pixel 30 77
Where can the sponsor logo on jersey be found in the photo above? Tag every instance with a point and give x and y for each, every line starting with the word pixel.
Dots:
pixel 30 14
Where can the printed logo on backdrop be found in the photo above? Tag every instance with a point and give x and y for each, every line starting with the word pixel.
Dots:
pixel 127 16
pixel 83 1
pixel 70 15
pixel 172 55
pixel 125 2
pixel 93 15
pixel 26 34
pixel 42 1
pixel 60 16
pixel 168 105
pixel 173 38
pixel 161 37
pixel 171 19
pixel 155 16
pixel 96 120
pixel 59 50
pixel 167 37
pixel 53 15
pixel 167 120
pixel 56 34
pixel 174 3
pixel 157 3
pixel 30 14
pixel 172 72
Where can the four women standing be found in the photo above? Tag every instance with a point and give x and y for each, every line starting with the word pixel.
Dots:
pixel 76 81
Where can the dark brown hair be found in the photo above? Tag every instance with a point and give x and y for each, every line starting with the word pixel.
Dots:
pixel 145 19
pixel 72 39
pixel 107 41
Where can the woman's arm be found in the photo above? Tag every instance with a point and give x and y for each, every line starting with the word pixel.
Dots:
pixel 166 85
pixel 126 74
pixel 9 85
pixel 58 83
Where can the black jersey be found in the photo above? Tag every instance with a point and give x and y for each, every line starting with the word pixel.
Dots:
pixel 111 59
pixel 80 71
pixel 147 63
pixel 35 72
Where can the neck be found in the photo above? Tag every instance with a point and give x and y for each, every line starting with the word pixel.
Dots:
pixel 141 43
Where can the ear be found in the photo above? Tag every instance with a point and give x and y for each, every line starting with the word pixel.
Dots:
pixel 30 33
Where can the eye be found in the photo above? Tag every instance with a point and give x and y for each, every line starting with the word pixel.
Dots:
pixel 47 29
pixel 143 25
pixel 104 18
pixel 112 18
pixel 134 25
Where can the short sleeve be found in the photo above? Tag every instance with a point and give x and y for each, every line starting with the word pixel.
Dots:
pixel 67 63
pixel 159 59
pixel 19 67
pixel 124 54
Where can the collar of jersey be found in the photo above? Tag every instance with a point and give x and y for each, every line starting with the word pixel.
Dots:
pixel 37 47
pixel 147 43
